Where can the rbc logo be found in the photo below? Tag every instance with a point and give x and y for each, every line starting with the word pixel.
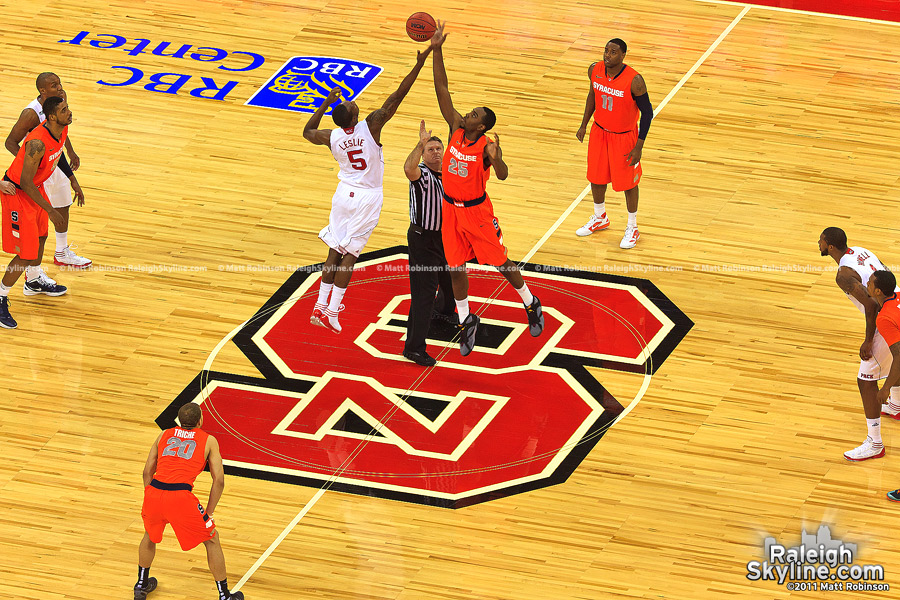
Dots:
pixel 303 83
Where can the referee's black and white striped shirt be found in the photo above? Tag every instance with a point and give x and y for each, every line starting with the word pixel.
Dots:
pixel 425 197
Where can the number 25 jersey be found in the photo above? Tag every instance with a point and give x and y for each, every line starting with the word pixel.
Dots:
pixel 464 176
pixel 359 156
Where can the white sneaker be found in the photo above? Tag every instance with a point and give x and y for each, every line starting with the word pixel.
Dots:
pixel 67 258
pixel 595 223
pixel 869 449
pixel 888 411
pixel 43 277
pixel 632 235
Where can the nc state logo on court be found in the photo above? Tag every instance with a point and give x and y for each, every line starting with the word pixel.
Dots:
pixel 347 411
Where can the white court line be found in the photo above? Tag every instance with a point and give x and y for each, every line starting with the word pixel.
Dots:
pixel 802 12
pixel 308 506
pixel 658 109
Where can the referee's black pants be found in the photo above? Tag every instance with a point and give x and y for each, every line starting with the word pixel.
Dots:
pixel 428 272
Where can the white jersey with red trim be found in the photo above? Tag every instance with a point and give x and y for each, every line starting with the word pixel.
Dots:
pixel 359 156
pixel 864 263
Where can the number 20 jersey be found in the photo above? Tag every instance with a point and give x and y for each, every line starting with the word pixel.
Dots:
pixel 181 455
pixel 359 156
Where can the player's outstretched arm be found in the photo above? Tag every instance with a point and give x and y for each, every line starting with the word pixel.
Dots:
pixel 28 120
pixel 377 118
pixel 217 471
pixel 311 131
pixel 441 86
pixel 589 106
pixel 150 465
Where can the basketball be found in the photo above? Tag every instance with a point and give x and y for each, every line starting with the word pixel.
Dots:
pixel 420 27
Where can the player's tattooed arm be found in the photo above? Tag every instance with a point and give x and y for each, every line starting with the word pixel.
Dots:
pixel 35 149
pixel 848 280
pixel 638 87
pixel 379 117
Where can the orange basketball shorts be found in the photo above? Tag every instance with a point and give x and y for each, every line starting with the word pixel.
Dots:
pixel 24 222
pixel 472 233
pixel 182 510
pixel 606 159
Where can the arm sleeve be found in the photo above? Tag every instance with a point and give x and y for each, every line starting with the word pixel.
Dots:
pixel 63 165
pixel 643 102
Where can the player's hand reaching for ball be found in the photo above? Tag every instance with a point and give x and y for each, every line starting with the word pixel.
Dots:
pixel 492 148
pixel 437 40
pixel 580 133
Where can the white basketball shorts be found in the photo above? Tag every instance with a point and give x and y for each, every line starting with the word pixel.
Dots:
pixel 354 215
pixel 58 189
pixel 879 365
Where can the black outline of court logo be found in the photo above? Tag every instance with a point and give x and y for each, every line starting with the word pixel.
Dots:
pixel 572 365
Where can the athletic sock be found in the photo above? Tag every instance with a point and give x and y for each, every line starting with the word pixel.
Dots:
pixel 874 426
pixel 222 586
pixel 324 292
pixel 525 294
pixel 143 576
pixel 632 219
pixel 62 241
pixel 599 209
pixel 31 273
pixel 893 401
pixel 4 291
pixel 462 307
pixel 337 294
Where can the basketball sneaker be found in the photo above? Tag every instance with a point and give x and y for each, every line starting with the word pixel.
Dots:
pixel 467 331
pixel 535 317
pixel 237 596
pixel 67 258
pixel 889 411
pixel 42 284
pixel 329 319
pixel 6 320
pixel 894 496
pixel 595 223
pixel 141 592
pixel 869 449
pixel 631 237
pixel 318 314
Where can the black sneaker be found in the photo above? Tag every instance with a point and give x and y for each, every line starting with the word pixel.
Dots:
pixel 40 285
pixel 420 358
pixel 6 320
pixel 535 317
pixel 894 496
pixel 141 592
pixel 237 596
pixel 467 330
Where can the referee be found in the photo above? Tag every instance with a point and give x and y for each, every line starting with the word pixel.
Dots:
pixel 428 272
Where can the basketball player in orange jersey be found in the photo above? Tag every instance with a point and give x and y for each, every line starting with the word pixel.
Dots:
pixel 469 228
pixel 26 213
pixel 882 288
pixel 176 458
pixel 62 182
pixel 617 92
pixel 356 204
pixel 855 268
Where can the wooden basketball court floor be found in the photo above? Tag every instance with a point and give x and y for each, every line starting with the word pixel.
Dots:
pixel 787 126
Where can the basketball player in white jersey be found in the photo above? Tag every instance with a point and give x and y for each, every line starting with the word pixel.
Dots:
pixel 855 266
pixel 356 205
pixel 58 188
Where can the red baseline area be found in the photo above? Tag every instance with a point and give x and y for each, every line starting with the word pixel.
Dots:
pixel 883 10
